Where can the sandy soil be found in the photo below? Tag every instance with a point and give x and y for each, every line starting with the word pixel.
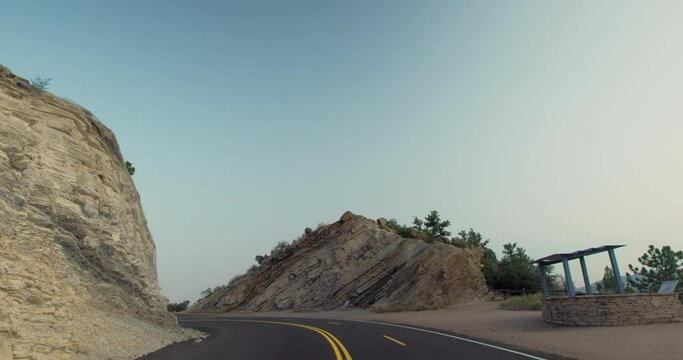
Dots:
pixel 525 330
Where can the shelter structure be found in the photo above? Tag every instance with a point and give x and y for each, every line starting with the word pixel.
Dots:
pixel 603 309
pixel 580 255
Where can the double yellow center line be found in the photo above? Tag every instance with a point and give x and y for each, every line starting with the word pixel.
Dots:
pixel 339 349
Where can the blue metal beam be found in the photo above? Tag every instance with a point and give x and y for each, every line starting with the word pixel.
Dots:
pixel 568 278
pixel 615 269
pixel 544 281
pixel 586 280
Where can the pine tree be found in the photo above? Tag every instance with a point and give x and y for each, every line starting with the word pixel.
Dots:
pixel 434 226
pixel 608 284
pixel 469 239
pixel 658 265
pixel 517 270
pixel 207 292
pixel 417 224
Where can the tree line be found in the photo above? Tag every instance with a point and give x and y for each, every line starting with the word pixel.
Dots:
pixel 516 271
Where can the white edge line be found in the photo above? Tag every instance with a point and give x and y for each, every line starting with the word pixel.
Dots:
pixel 452 336
pixel 411 328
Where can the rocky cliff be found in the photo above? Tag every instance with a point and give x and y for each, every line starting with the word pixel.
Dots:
pixel 355 262
pixel 77 262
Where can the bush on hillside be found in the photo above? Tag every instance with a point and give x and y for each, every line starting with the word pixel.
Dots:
pixel 177 307
pixel 130 168
pixel 261 259
pixel 279 249
pixel 431 229
pixel 402 230
pixel 234 279
pixel 206 293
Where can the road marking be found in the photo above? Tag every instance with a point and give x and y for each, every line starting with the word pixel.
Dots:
pixel 451 336
pixel 334 323
pixel 336 345
pixel 394 340
pixel 339 343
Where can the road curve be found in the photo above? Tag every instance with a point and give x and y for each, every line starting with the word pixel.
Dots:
pixel 237 338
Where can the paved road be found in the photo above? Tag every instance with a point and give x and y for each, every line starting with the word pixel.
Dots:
pixel 323 339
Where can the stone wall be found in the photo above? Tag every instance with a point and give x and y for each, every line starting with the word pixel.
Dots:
pixel 613 309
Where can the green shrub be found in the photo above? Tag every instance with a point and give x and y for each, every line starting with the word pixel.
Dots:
pixel 433 224
pixel 523 302
pixel 402 230
pixel 177 307
pixel 516 270
pixel 405 232
pixel 261 259
pixel 431 229
pixel 130 168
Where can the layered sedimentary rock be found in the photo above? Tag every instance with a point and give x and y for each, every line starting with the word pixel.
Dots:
pixel 355 262
pixel 77 261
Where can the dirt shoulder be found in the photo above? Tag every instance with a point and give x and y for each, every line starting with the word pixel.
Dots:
pixel 524 329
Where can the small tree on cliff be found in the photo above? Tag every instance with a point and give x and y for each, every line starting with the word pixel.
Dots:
pixel 130 168
pixel 469 239
pixel 418 224
pixel 260 259
pixel 206 293
pixel 434 226
pixel 658 265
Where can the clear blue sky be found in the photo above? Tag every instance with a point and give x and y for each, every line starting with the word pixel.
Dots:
pixel 555 125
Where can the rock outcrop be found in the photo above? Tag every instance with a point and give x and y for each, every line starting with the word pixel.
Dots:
pixel 77 261
pixel 355 262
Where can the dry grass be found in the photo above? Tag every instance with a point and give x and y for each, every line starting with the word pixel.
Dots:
pixel 305 310
pixel 387 308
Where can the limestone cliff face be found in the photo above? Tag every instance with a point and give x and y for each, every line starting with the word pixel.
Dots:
pixel 357 262
pixel 77 262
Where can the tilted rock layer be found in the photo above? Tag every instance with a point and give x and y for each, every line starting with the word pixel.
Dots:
pixel 355 262
pixel 77 262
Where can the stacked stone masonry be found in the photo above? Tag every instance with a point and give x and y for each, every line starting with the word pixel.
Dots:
pixel 614 309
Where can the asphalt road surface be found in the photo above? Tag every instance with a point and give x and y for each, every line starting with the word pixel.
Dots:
pixel 324 339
